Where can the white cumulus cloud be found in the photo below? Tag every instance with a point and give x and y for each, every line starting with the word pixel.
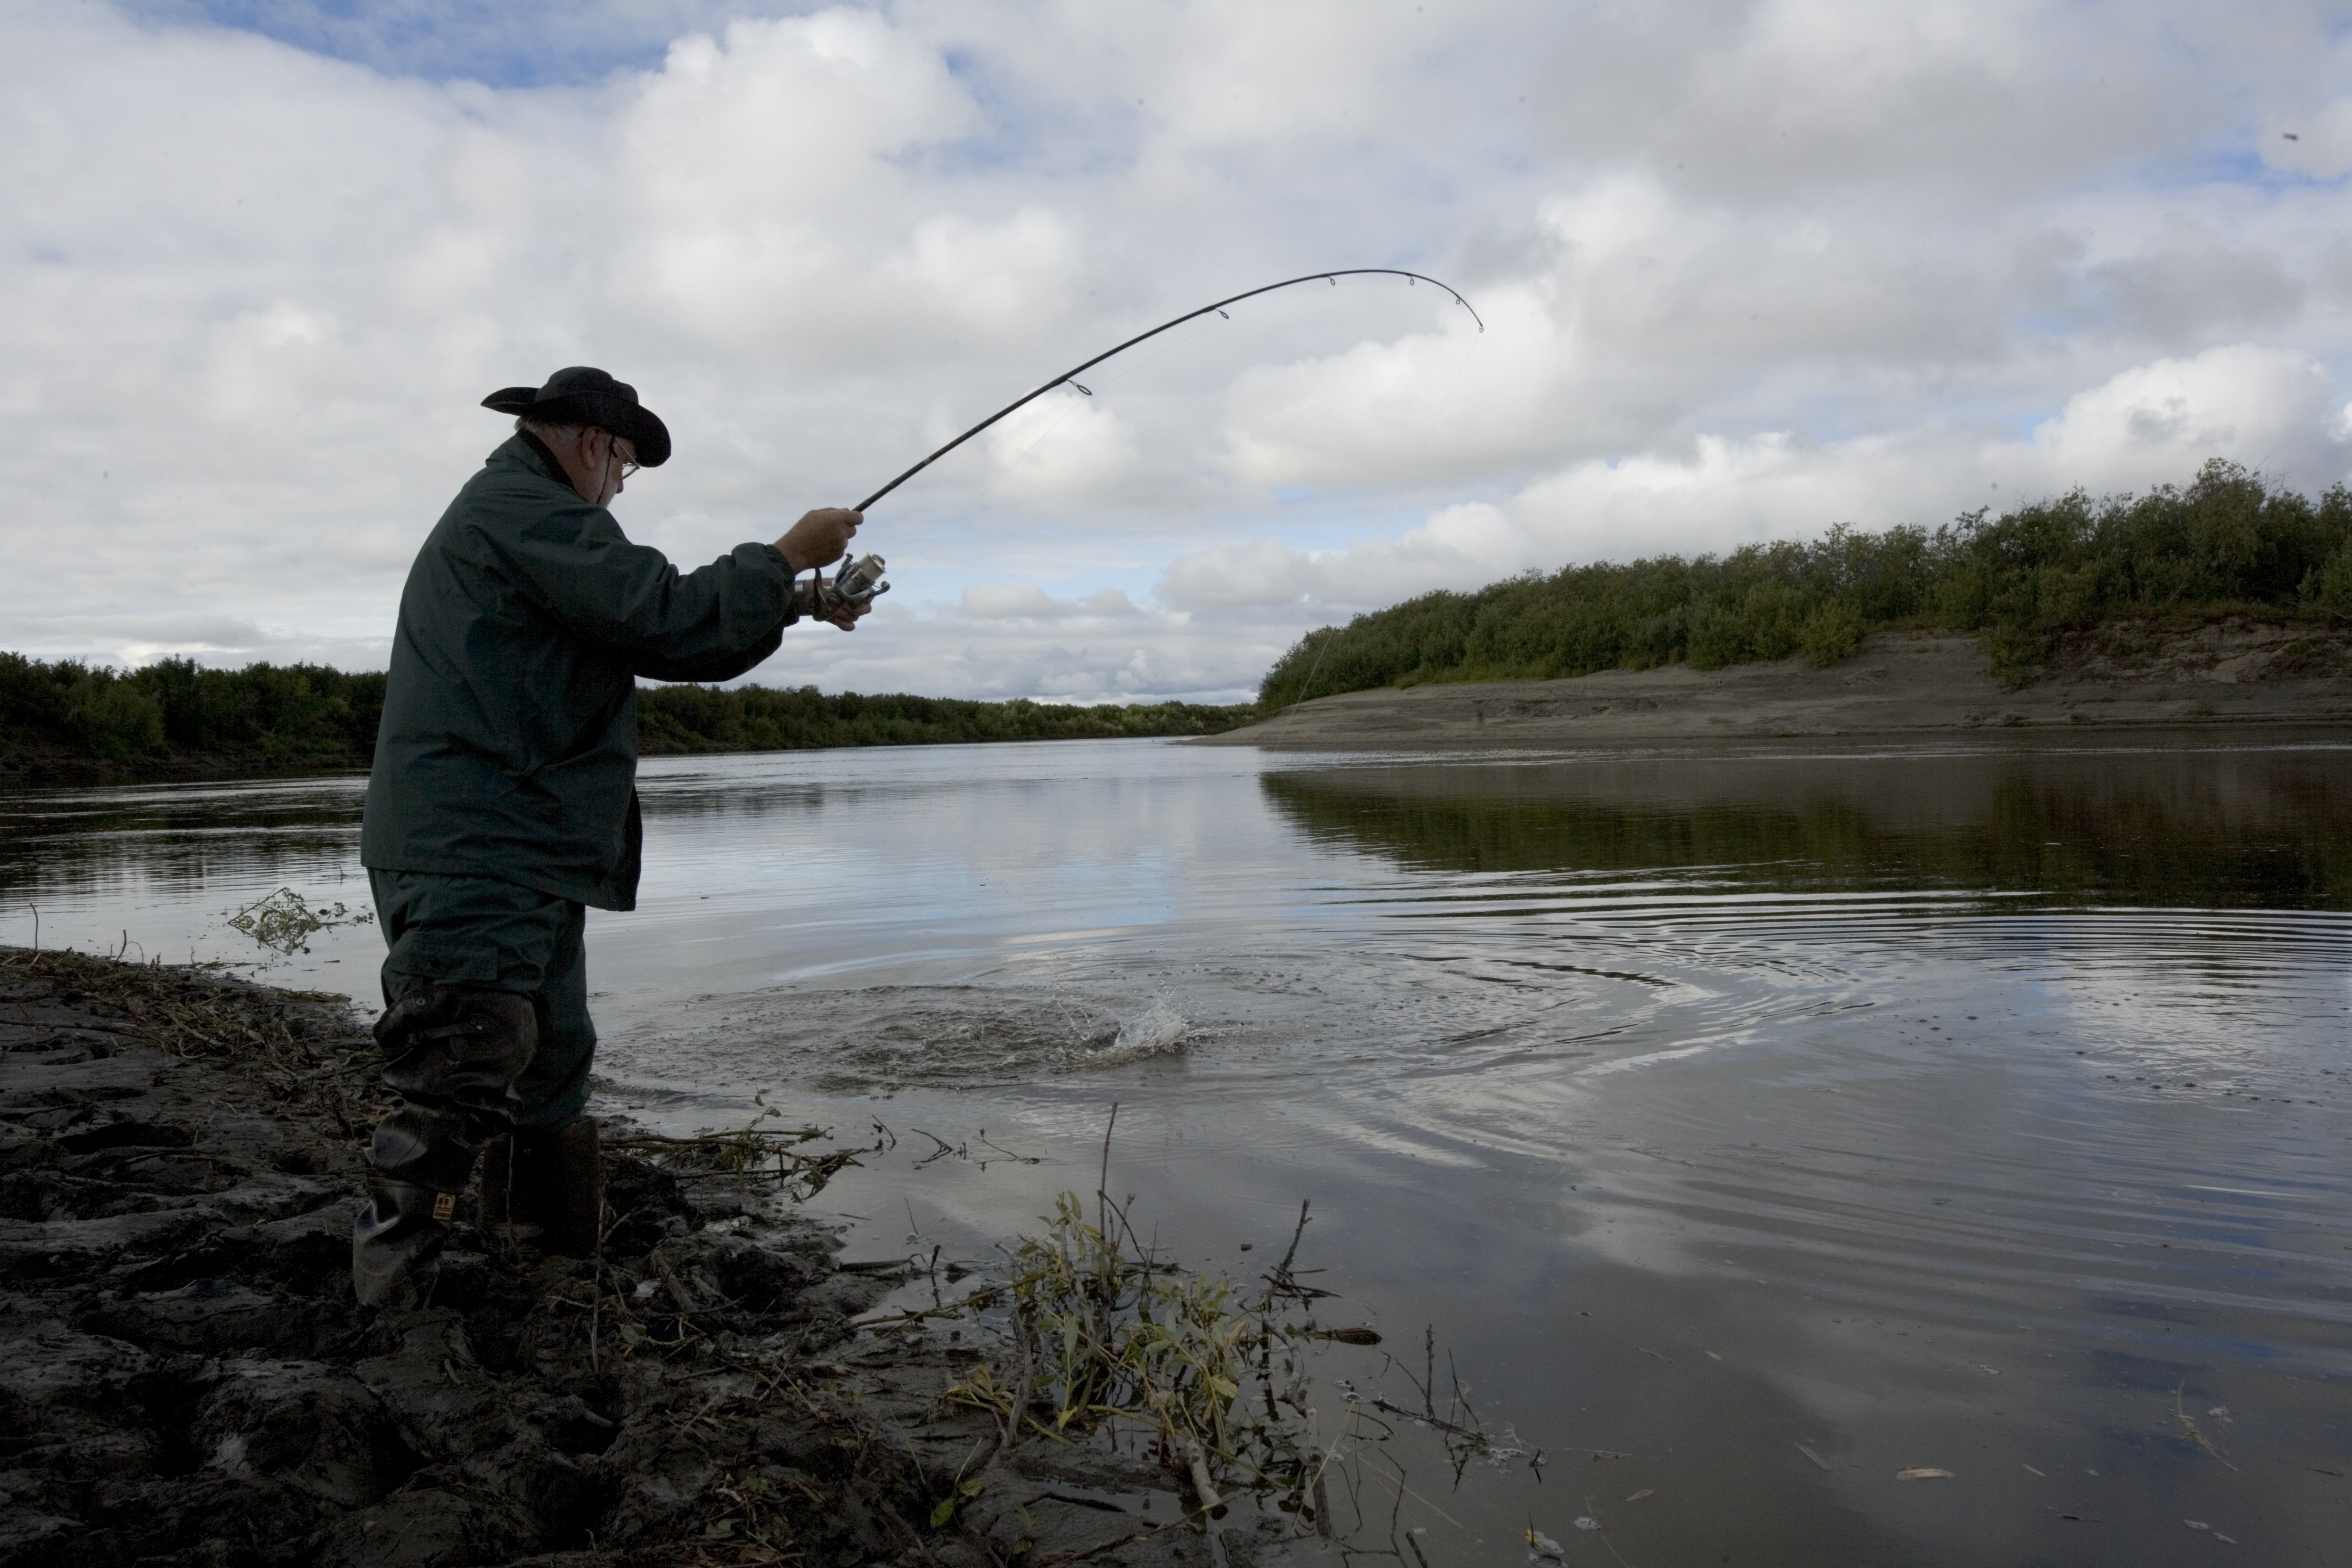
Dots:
pixel 1747 267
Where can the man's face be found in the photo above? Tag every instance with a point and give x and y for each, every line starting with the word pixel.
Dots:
pixel 611 460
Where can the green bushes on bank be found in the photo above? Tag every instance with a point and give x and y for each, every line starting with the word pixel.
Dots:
pixel 2225 541
pixel 673 719
pixel 276 717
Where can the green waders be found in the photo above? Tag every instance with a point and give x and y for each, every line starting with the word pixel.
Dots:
pixel 488 1042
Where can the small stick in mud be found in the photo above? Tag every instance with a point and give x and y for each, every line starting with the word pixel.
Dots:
pixel 1018 1159
pixel 1198 1462
pixel 942 1150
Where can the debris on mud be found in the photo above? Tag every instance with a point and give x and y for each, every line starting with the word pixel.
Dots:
pixel 184 1379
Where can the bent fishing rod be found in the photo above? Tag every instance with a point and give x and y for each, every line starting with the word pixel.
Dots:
pixel 860 580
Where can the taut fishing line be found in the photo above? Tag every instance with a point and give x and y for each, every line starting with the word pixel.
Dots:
pixel 859 580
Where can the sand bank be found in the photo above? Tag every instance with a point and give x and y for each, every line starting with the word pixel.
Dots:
pixel 2233 672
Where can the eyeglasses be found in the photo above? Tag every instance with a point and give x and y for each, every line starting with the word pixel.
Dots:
pixel 629 465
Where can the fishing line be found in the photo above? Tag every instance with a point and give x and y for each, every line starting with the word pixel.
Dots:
pixel 1006 470
pixel 1307 691
pixel 1429 431
pixel 1068 377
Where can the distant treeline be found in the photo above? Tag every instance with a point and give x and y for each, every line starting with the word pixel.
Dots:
pixel 2227 540
pixel 280 717
pixel 756 719
pixel 274 716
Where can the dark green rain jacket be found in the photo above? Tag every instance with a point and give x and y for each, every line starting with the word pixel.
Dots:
pixel 508 746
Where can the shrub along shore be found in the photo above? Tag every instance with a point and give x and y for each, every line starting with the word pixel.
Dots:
pixel 2228 542
pixel 176 716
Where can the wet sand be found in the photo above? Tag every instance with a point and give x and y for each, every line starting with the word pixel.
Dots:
pixel 186 1378
pixel 2233 672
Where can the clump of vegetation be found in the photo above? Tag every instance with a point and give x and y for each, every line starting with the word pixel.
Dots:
pixel 1106 1338
pixel 1105 1341
pixel 2226 541
pixel 285 921
pixel 746 1155
pixel 1106 1333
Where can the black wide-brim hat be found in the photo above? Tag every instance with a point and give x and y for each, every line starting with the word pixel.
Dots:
pixel 584 394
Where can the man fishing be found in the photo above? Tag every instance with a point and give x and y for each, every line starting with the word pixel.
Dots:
pixel 502 803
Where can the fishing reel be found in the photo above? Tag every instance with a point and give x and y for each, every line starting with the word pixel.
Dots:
pixel 857 582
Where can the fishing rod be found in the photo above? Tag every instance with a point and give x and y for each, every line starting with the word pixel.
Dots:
pixel 860 580
pixel 1068 376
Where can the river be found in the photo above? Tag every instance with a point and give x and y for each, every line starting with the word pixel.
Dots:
pixel 1748 1127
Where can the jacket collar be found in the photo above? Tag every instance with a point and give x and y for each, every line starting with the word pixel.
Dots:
pixel 533 454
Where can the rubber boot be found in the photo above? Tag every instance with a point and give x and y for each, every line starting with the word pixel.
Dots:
pixel 418 1159
pixel 453 1054
pixel 553 1187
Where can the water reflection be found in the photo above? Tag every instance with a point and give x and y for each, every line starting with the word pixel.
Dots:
pixel 1947 1107
pixel 2210 828
pixel 161 869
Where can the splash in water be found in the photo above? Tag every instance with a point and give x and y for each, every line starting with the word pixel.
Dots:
pixel 1156 1031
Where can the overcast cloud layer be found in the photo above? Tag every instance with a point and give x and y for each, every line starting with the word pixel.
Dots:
pixel 1746 269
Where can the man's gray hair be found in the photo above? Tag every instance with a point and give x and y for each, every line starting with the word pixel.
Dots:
pixel 549 433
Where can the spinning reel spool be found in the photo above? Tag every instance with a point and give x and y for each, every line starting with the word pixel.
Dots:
pixel 857 582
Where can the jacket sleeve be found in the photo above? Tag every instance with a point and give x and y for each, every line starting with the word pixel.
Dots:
pixel 715 667
pixel 713 623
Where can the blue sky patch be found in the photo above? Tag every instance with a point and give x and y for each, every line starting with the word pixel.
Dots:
pixel 513 43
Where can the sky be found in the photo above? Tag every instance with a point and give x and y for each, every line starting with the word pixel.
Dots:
pixel 1746 269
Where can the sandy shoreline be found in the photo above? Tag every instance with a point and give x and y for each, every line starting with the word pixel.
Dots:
pixel 2229 673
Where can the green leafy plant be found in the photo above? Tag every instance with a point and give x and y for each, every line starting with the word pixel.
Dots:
pixel 1833 632
pixel 1104 1335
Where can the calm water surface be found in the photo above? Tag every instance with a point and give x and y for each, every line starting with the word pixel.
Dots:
pixel 1772 1122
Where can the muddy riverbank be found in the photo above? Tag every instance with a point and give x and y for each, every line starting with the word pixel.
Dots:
pixel 185 1380
pixel 2234 672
